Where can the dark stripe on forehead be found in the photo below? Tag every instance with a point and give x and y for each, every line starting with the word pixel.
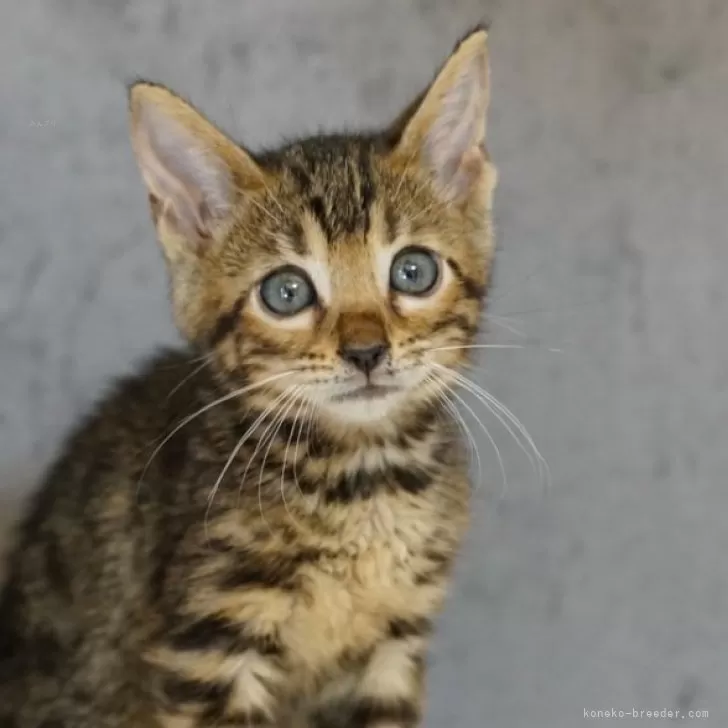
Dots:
pixel 312 198
pixel 318 207
pixel 298 238
pixel 302 177
pixel 367 190
pixel 390 224
pixel 335 180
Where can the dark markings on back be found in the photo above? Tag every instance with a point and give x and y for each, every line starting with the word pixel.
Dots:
pixel 56 569
pixel 43 650
pixel 171 459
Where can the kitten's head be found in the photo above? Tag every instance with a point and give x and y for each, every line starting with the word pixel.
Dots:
pixel 346 271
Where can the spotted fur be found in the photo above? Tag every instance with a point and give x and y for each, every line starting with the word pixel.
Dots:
pixel 224 541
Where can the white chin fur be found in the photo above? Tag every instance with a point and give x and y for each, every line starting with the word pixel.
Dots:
pixel 362 411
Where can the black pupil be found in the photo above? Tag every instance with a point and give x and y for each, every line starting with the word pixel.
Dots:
pixel 289 290
pixel 410 271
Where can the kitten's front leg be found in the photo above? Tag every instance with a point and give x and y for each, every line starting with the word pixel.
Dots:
pixel 390 690
pixel 211 673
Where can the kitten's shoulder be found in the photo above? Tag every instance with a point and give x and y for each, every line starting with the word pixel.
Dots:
pixel 164 385
pixel 112 441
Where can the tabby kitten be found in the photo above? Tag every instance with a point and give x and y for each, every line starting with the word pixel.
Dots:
pixel 257 531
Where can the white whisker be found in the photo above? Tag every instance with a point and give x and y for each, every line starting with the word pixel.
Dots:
pixel 306 420
pixel 477 346
pixel 508 420
pixel 543 469
pixel 500 321
pixel 492 441
pixel 225 398
pixel 462 425
pixel 480 394
pixel 530 345
pixel 289 392
pixel 285 460
pixel 197 369
pixel 278 423
pixel 243 439
pixel 259 442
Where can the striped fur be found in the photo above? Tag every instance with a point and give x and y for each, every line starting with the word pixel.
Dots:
pixel 199 557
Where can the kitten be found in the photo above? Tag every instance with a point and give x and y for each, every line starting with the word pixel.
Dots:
pixel 258 531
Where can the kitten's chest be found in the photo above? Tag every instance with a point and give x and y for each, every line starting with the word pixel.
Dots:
pixel 350 598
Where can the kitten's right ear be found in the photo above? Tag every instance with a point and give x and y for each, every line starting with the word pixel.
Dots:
pixel 194 174
pixel 444 129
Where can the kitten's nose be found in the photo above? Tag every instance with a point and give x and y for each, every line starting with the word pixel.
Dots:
pixel 364 358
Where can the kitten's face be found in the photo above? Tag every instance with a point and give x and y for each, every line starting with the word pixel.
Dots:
pixel 342 275
pixel 358 283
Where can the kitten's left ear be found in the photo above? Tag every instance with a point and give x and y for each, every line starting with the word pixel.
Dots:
pixel 444 129
pixel 194 174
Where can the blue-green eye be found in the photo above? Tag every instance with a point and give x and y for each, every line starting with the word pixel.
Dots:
pixel 414 272
pixel 287 291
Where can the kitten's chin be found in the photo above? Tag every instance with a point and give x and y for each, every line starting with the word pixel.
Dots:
pixel 366 405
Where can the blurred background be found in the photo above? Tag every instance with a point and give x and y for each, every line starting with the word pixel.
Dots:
pixel 606 589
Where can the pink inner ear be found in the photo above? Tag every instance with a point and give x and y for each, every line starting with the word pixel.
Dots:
pixel 454 152
pixel 191 182
pixel 455 130
pixel 193 220
pixel 472 166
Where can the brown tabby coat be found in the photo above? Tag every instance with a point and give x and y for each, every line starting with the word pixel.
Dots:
pixel 231 539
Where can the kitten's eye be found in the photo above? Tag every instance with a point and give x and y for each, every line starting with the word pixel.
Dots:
pixel 287 291
pixel 414 271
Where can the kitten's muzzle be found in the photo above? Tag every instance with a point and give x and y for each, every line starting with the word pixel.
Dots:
pixel 364 358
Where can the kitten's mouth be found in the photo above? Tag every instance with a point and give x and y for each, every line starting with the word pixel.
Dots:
pixel 368 391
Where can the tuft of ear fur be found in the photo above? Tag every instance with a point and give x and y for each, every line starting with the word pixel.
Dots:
pixel 445 127
pixel 193 172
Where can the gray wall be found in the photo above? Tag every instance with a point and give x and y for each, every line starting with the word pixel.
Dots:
pixel 609 127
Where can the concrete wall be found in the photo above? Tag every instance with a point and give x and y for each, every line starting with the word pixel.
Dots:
pixel 609 128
